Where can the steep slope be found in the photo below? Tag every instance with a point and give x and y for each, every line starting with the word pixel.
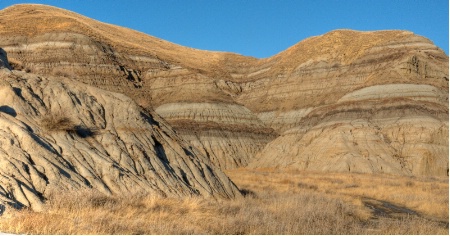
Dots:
pixel 320 70
pixel 364 102
pixel 342 101
pixel 59 134
pixel 51 41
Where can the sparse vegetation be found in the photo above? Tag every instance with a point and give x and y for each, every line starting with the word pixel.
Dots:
pixel 275 202
pixel 61 72
pixel 59 122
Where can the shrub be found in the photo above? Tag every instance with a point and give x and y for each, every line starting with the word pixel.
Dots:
pixel 57 122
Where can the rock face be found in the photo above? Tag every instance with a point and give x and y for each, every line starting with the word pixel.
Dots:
pixel 226 133
pixel 373 102
pixel 343 101
pixel 51 41
pixel 59 134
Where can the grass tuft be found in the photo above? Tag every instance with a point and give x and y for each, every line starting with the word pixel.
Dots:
pixel 57 122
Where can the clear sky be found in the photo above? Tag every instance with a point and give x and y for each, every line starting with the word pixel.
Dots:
pixel 261 28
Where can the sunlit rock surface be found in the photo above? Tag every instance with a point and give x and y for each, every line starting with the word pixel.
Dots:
pixel 343 101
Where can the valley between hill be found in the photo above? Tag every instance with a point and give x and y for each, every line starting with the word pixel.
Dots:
pixel 89 107
pixel 378 89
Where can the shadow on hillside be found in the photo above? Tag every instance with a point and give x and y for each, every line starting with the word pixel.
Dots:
pixel 149 119
pixel 85 132
pixel 8 110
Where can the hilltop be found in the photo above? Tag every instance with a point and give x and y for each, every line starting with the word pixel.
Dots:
pixel 345 101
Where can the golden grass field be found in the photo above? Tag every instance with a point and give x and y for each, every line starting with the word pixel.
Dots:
pixel 275 202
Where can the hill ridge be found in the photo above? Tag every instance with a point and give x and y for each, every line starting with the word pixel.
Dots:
pixel 241 111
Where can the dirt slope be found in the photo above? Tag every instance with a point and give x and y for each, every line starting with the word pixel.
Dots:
pixel 59 134
pixel 342 101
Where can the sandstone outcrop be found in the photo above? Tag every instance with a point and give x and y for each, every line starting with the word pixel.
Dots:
pixel 342 101
pixel 153 72
pixel 226 133
pixel 59 134
pixel 381 108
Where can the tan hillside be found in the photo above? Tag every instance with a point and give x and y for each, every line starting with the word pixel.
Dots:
pixel 364 102
pixel 58 135
pixel 153 72
pixel 343 101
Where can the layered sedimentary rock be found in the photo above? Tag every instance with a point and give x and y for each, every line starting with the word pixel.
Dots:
pixel 366 102
pixel 226 133
pixel 58 134
pixel 342 101
pixel 50 41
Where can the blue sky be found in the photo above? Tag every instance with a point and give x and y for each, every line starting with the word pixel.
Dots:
pixel 261 28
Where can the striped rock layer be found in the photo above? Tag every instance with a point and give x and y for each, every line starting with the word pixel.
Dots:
pixel 58 134
pixel 344 101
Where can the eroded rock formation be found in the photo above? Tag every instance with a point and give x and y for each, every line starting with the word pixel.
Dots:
pixel 343 101
pixel 351 101
pixel 59 134
pixel 51 41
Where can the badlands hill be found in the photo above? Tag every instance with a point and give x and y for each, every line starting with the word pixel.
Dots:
pixel 371 102
pixel 59 134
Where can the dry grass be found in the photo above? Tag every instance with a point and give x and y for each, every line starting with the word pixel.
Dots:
pixel 57 122
pixel 428 196
pixel 276 202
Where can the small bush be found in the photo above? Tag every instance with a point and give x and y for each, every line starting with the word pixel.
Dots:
pixel 61 72
pixel 248 193
pixel 57 122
